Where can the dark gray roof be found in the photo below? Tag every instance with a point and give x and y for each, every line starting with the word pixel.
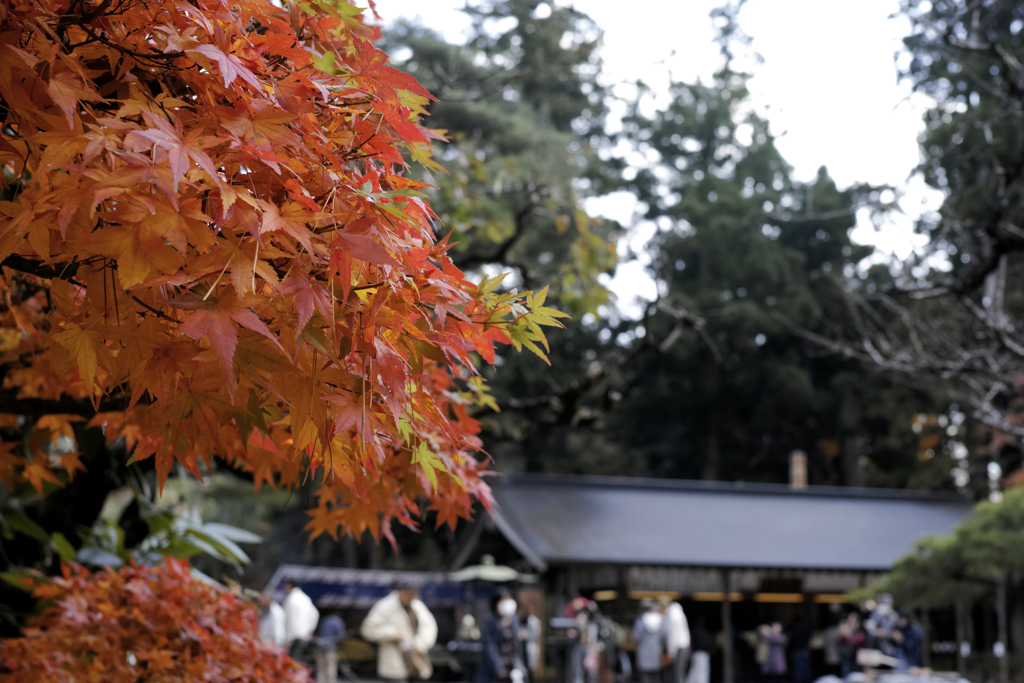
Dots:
pixel 571 519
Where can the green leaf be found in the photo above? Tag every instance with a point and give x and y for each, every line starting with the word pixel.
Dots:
pixel 536 350
pixel 232 532
pixel 339 9
pixel 161 521
pixel 429 461
pixel 551 312
pixel 325 63
pixel 18 521
pixel 224 546
pixel 537 300
pixel 62 546
pixel 183 548
pixel 489 284
pixel 23 579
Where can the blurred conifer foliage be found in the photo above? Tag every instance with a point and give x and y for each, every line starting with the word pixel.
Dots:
pixel 518 103
pixel 744 256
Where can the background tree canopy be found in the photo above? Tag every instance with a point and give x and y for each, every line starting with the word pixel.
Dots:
pixel 711 381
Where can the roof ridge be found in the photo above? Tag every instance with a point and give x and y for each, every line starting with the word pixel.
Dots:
pixel 699 486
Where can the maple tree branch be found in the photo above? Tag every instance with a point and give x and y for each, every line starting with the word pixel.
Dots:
pixel 501 252
pixel 566 404
pixel 155 311
pixel 138 55
pixel 62 271
pixel 11 404
pixel 806 217
pixel 84 18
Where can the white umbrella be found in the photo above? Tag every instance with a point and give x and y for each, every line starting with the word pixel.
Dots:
pixel 488 571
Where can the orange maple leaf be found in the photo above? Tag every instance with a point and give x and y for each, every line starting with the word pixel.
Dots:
pixel 36 472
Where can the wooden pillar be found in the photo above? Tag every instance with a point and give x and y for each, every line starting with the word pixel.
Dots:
pixel 561 591
pixel 622 590
pixel 727 659
pixel 350 551
pixel 1001 631
pixel 961 637
pixel 926 637
pixel 376 552
pixel 573 578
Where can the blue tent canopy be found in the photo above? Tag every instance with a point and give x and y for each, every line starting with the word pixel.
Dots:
pixel 361 588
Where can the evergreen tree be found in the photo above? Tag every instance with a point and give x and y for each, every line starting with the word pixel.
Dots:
pixel 751 254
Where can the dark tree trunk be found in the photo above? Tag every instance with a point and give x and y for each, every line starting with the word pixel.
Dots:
pixel 712 457
pixel 852 440
pixel 961 637
pixel 1001 630
pixel 712 448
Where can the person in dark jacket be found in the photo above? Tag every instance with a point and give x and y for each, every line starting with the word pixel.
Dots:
pixel 329 634
pixel 774 666
pixel 499 659
pixel 910 638
pixel 851 639
pixel 800 644
pixel 702 644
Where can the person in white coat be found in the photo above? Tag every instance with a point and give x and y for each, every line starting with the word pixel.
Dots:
pixel 529 634
pixel 404 630
pixel 271 621
pixel 300 618
pixel 650 642
pixel 676 632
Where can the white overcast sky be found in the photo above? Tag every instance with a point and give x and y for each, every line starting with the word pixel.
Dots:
pixel 828 86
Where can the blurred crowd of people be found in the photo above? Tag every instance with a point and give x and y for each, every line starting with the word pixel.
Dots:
pixel 510 642
pixel 400 624
pixel 404 630
pixel 884 635
pixel 299 627
pixel 664 649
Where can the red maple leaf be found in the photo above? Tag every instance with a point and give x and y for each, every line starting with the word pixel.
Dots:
pixel 230 66
pixel 371 68
pixel 217 320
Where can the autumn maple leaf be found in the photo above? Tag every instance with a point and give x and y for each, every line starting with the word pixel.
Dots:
pixel 71 462
pixel 194 179
pixel 371 68
pixel 178 147
pixel 66 90
pixel 230 66
pixel 36 472
pixel 308 296
pixel 216 321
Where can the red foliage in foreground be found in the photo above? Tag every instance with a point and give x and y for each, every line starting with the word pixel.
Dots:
pixel 143 624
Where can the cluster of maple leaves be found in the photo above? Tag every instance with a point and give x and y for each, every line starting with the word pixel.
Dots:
pixel 210 248
pixel 143 623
